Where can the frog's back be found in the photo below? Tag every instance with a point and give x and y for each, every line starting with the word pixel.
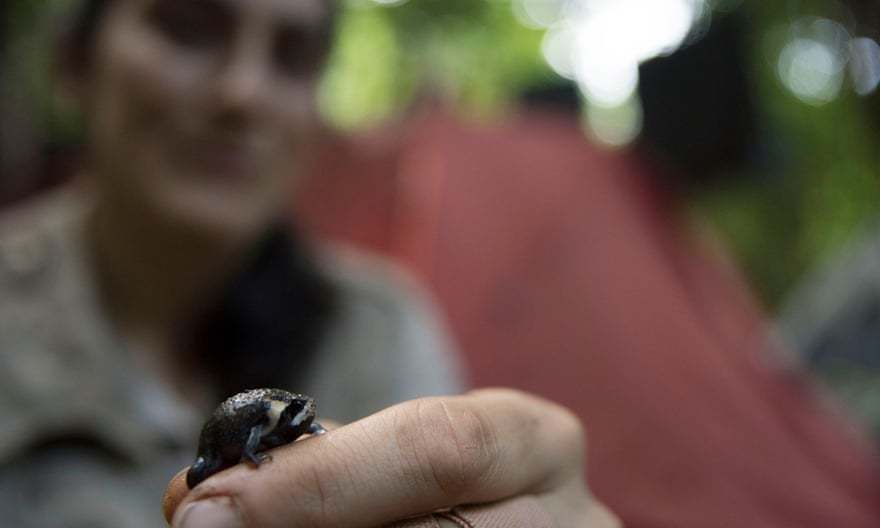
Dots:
pixel 225 434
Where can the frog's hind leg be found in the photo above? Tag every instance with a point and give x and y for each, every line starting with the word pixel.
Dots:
pixel 249 452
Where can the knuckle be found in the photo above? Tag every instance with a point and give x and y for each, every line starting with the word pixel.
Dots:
pixel 543 413
pixel 452 445
pixel 605 518
pixel 569 436
pixel 572 429
pixel 502 394
pixel 539 419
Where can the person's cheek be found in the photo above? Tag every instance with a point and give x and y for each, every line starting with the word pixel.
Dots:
pixel 142 88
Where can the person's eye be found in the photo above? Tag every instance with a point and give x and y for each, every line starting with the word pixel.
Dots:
pixel 298 52
pixel 188 23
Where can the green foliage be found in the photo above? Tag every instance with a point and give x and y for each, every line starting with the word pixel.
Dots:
pixel 823 185
pixel 363 83
pixel 472 51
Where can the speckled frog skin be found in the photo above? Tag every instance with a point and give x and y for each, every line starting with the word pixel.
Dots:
pixel 244 426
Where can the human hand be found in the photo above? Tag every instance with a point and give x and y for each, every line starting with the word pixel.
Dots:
pixel 510 454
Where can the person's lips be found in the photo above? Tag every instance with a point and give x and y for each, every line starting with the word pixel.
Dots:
pixel 225 159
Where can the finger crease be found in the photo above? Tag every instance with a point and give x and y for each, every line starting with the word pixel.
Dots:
pixel 453 516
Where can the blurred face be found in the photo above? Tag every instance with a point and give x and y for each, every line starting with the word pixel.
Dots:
pixel 200 110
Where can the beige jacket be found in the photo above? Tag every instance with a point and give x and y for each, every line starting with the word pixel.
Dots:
pixel 88 440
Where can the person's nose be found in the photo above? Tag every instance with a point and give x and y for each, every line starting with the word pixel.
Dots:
pixel 243 78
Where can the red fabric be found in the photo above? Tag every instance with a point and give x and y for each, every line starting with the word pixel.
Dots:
pixel 565 273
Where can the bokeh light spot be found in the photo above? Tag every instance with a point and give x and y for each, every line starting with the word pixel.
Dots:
pixel 615 126
pixel 600 43
pixel 864 65
pixel 539 14
pixel 812 62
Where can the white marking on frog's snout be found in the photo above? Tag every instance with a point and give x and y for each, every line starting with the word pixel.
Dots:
pixel 300 416
pixel 274 413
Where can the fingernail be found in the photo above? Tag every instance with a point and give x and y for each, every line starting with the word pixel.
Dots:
pixel 219 512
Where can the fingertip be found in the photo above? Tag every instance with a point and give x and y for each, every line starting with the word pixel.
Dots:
pixel 174 494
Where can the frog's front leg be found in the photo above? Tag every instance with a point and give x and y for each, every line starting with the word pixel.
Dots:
pixel 316 429
pixel 250 447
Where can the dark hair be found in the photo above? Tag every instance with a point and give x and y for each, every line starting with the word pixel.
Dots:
pixel 269 318
pixel 80 41
pixel 83 31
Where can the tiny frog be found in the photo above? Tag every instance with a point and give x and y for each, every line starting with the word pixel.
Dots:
pixel 246 425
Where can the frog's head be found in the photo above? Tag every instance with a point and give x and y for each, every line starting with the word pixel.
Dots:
pixel 201 469
pixel 291 418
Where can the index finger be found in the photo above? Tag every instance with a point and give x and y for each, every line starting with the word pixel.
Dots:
pixel 410 459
